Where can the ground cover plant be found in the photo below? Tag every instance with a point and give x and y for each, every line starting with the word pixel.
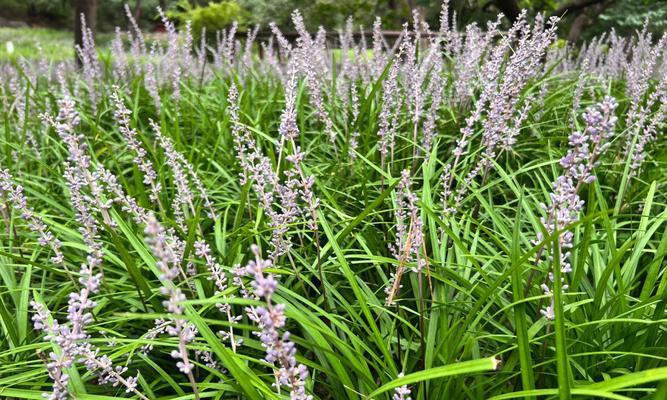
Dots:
pixel 462 214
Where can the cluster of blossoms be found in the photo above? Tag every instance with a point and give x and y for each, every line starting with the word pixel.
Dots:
pixel 94 190
pixel 279 198
pixel 86 193
pixel 90 64
pixel 219 279
pixel 643 127
pixel 491 67
pixel 257 168
pixel 585 150
pixel 297 180
pixel 14 193
pixel 169 255
pixel 184 178
pixel 402 392
pixel 122 116
pixel 389 112
pixel 486 65
pixel 73 346
pixel 73 339
pixel 409 246
pixel 280 350
pixel 505 73
pixel 310 57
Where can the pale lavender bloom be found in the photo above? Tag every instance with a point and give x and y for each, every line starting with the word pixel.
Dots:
pixel 185 49
pixel 541 97
pixel 199 187
pixel 55 367
pixel 435 89
pixel 92 71
pixel 151 77
pixel 354 117
pixel 168 252
pixel 402 392
pixel 219 278
pixel 119 57
pixel 32 142
pixel 225 51
pixel 581 84
pixel 522 65
pixel 62 81
pixel 415 73
pixel 184 178
pixel 207 358
pixel 278 201
pixel 348 73
pixel 640 70
pixel 586 147
pixel 644 128
pixel 229 48
pixel 138 44
pixel 122 116
pixel 409 227
pixel 446 193
pixel 517 121
pixel 409 244
pixel 115 192
pixel 391 104
pixel 616 57
pixel 582 157
pixel 288 129
pixel 246 60
pixel 379 45
pixel 285 47
pixel 271 64
pixel 446 29
pixel 310 56
pixel 14 193
pixel 73 339
pixel 172 56
pixel 19 104
pixel 159 327
pixel 648 134
pixel 467 65
pixel 78 177
pixel 74 348
pixel 497 105
pixel 280 350
pixel 297 181
pixel 91 189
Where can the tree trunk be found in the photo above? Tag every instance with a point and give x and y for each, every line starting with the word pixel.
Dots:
pixel 87 9
pixel 585 19
pixel 137 11
pixel 578 26
pixel 510 8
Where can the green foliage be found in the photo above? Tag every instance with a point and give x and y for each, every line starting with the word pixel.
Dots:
pixel 215 16
pixel 24 9
pixel 631 15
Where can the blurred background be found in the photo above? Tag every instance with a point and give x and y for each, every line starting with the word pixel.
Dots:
pixel 51 22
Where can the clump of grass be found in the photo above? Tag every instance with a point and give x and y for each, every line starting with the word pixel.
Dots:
pixel 417 172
